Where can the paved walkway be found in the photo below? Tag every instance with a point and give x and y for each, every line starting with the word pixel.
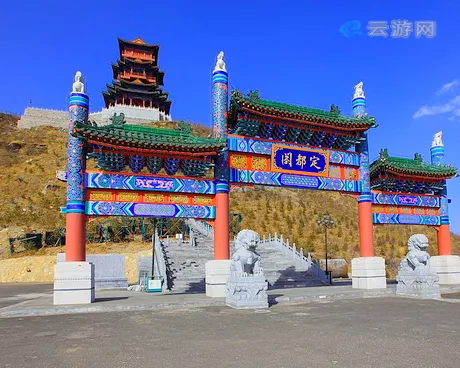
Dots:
pixel 21 300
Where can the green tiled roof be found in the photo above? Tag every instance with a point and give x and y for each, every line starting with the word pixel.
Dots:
pixel 408 166
pixel 134 136
pixel 301 113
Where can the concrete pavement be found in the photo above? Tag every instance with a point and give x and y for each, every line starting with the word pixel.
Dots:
pixel 370 332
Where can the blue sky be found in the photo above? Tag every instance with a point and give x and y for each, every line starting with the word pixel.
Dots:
pixel 290 51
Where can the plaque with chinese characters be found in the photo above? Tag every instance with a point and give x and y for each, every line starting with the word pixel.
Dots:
pixel 301 161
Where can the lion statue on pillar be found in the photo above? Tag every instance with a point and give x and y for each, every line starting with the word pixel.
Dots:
pixel 245 260
pixel 416 277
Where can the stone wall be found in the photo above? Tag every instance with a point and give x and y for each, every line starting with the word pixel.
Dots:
pixel 43 117
pixel 34 117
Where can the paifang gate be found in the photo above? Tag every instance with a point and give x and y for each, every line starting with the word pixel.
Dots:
pixel 254 142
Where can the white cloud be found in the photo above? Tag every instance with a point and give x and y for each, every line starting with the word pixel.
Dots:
pixel 451 106
pixel 447 87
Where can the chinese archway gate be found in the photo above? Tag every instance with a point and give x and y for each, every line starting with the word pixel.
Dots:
pixel 254 142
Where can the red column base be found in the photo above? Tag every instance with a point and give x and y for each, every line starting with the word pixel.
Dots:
pixel 221 227
pixel 75 238
pixel 444 246
pixel 366 242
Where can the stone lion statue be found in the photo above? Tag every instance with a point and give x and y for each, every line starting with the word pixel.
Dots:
pixel 78 86
pixel 245 260
pixel 220 63
pixel 437 140
pixel 417 257
pixel 359 90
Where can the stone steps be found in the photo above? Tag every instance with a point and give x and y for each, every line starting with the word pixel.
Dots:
pixel 187 265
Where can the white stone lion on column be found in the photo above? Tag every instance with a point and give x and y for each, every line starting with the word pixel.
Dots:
pixel 437 140
pixel 359 93
pixel 220 63
pixel 78 86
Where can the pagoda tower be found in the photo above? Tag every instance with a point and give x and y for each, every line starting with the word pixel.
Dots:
pixel 136 90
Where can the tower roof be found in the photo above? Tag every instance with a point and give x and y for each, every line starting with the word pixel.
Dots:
pixel 138 43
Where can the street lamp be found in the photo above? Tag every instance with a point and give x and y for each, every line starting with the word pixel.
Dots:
pixel 327 222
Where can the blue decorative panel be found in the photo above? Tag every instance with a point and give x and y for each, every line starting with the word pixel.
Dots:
pixel 405 200
pixel 101 180
pixel 97 208
pixel 293 181
pixel 383 218
pixel 301 161
pixel 261 147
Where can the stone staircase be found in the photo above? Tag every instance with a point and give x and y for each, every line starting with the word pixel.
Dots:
pixel 281 271
pixel 186 265
pixel 282 267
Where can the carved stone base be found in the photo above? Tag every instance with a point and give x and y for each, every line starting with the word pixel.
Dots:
pixel 247 292
pixel 448 269
pixel 73 283
pixel 368 273
pixel 419 283
pixel 217 272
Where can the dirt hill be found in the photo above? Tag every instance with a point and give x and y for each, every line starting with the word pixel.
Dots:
pixel 31 196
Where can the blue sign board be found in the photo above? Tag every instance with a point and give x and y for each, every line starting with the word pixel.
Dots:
pixel 304 161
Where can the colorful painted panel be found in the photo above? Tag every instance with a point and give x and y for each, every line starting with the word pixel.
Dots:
pixel 300 161
pixel 262 147
pixel 405 200
pixel 102 180
pixel 293 181
pixel 381 208
pixel 97 208
pixel 148 197
pixel 383 218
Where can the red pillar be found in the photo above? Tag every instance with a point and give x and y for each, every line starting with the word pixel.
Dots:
pixel 75 239
pixel 444 246
pixel 221 227
pixel 366 240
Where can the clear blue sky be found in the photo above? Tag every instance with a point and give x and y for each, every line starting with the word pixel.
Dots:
pixel 291 51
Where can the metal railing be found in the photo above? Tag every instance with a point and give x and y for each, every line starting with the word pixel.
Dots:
pixel 297 256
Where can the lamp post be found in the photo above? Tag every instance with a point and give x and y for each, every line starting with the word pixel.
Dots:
pixel 327 222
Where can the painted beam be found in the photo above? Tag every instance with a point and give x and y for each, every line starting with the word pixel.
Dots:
pixel 126 181
pixel 132 209
pixel 405 200
pixel 293 181
pixel 264 147
pixel 383 218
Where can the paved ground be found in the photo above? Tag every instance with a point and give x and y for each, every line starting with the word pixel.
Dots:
pixel 374 332
pixel 11 294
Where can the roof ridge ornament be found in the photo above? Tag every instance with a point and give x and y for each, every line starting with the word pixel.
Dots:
pixel 418 157
pixel 118 120
pixel 383 154
pixel 220 63
pixel 78 86
pixel 359 93
pixel 437 140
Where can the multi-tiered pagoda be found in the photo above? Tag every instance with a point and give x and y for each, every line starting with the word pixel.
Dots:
pixel 135 90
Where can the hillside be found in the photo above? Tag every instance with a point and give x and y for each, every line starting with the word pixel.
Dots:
pixel 30 197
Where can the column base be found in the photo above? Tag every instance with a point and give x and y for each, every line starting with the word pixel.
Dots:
pixel 368 273
pixel 73 283
pixel 217 272
pixel 447 268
